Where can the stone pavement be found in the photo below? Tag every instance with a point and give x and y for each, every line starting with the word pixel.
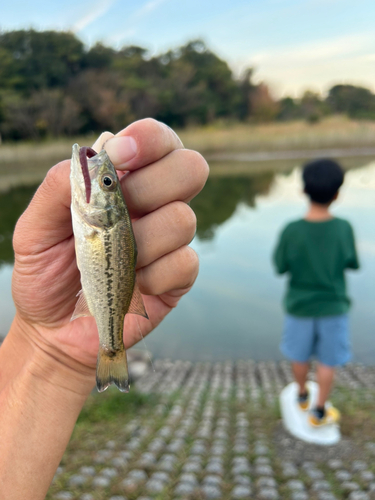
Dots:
pixel 213 435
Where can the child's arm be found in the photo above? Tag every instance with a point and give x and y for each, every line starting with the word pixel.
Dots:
pixel 279 256
pixel 352 257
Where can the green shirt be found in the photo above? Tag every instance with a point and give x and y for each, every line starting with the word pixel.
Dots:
pixel 315 255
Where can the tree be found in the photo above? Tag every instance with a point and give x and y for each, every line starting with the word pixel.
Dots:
pixel 356 102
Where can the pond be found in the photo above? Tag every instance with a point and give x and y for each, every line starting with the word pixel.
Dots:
pixel 234 309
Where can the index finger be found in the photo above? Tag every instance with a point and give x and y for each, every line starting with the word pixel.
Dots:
pixel 150 141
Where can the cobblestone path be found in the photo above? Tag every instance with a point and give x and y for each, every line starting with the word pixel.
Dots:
pixel 213 436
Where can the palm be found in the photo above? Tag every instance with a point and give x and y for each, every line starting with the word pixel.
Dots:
pixel 44 291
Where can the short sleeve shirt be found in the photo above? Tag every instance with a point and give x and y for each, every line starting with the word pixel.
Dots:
pixel 315 256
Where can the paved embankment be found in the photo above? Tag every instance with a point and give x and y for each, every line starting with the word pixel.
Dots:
pixel 215 433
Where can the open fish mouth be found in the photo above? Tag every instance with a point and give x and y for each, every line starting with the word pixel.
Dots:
pixel 84 153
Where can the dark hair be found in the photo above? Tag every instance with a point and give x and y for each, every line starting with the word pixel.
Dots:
pixel 322 179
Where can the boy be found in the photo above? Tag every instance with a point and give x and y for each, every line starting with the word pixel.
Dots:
pixel 315 251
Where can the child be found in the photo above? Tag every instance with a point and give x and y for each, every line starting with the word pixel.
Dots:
pixel 315 251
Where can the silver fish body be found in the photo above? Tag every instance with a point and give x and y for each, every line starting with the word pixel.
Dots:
pixel 106 256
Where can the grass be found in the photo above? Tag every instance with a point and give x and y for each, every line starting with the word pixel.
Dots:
pixel 28 162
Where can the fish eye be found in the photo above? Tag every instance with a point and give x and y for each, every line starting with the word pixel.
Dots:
pixel 108 182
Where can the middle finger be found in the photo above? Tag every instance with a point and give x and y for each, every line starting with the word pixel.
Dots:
pixel 179 176
pixel 163 231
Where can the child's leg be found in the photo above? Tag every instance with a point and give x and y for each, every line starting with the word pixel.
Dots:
pixel 300 371
pixel 324 376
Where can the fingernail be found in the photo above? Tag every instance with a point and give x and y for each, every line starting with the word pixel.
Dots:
pixel 121 150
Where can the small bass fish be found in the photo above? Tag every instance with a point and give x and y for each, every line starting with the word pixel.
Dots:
pixel 106 255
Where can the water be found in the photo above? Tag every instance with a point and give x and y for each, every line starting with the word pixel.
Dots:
pixel 234 309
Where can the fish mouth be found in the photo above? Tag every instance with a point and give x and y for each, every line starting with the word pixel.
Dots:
pixel 84 153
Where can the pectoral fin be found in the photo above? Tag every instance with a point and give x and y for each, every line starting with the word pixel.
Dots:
pixel 81 309
pixel 136 305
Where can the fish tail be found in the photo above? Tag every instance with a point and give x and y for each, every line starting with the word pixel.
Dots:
pixel 112 368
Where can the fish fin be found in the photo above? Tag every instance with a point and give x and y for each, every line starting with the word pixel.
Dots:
pixel 136 305
pixel 112 368
pixel 81 309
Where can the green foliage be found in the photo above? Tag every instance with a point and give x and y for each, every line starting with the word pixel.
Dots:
pixel 12 204
pixel 220 197
pixel 51 85
pixel 356 102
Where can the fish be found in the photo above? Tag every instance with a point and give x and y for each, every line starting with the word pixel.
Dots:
pixel 106 254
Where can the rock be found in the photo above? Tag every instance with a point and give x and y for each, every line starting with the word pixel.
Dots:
pixel 192 467
pixel 299 495
pixel 119 462
pixel 343 475
pixel 176 445
pixel 370 447
pixel 146 460
pixel 358 465
pixel 87 496
pixel 334 464
pixel 160 476
pixel 266 482
pixel 214 468
pixel 290 471
pixel 210 491
pixel 359 495
pixel 167 466
pixel 262 461
pixel 326 495
pixel 241 468
pixel 261 449
pixel 241 491
pixel 321 485
pixel 350 486
pixel 111 445
pixel 367 476
pixel 109 472
pixel 184 489
pixel 63 495
pixel 263 470
pixel 210 479
pixel 137 475
pixel 295 485
pixel 117 497
pixel 315 474
pixel 102 456
pixel 240 449
pixel 188 478
pixel 243 480
pixel 155 486
pixel 268 494
pixel 77 480
pixel 101 482
pixel 198 449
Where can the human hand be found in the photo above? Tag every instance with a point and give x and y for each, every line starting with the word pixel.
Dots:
pixel 161 178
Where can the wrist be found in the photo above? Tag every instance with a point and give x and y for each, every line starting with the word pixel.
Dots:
pixel 24 349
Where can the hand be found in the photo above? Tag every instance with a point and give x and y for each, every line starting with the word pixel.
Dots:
pixel 161 178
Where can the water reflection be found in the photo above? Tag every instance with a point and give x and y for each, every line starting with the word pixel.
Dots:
pixel 12 204
pixel 220 197
pixel 234 309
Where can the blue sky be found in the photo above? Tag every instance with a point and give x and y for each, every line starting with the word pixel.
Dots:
pixel 293 44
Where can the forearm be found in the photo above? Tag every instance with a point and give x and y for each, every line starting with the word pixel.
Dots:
pixel 40 400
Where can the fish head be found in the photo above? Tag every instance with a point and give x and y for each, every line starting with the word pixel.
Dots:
pixel 96 189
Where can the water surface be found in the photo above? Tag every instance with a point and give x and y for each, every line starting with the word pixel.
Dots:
pixel 234 309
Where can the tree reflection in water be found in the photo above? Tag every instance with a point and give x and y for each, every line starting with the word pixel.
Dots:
pixel 220 197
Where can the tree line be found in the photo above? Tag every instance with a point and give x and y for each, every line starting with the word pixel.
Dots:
pixel 52 85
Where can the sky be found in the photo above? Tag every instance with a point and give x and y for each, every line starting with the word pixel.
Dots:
pixel 294 45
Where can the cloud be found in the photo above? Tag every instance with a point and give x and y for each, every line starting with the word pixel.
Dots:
pixel 138 15
pixel 318 64
pixel 97 11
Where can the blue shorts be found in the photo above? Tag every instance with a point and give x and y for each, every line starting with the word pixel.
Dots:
pixel 325 337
